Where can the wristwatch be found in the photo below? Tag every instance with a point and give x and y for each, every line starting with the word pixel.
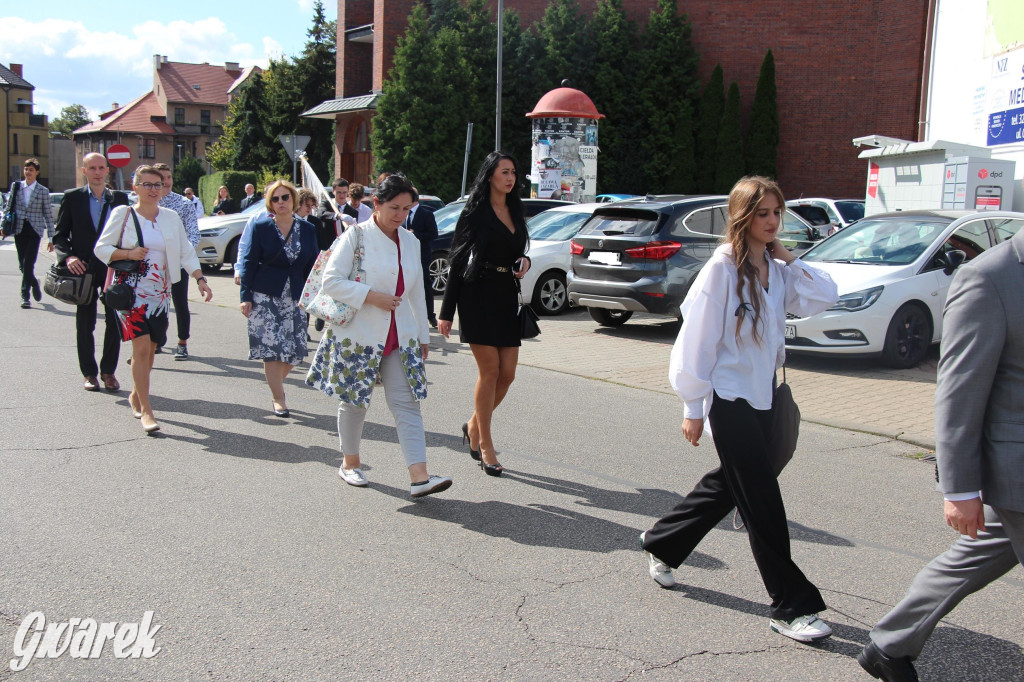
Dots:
pixel 200 278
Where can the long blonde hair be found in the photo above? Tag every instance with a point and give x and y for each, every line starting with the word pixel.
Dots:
pixel 746 194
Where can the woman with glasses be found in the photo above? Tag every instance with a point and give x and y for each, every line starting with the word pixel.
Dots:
pixel 275 263
pixel 164 252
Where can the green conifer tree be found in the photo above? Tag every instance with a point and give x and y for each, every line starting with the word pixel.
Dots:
pixel 731 164
pixel 710 109
pixel 763 136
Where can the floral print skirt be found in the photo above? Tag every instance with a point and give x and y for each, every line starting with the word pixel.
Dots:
pixel 277 329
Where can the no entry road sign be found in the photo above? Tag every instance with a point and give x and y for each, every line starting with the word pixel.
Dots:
pixel 119 156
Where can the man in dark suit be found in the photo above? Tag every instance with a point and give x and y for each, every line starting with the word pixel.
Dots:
pixel 80 219
pixel 979 400
pixel 422 224
pixel 251 197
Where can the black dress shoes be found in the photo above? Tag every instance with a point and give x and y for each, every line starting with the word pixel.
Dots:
pixel 883 667
pixel 36 293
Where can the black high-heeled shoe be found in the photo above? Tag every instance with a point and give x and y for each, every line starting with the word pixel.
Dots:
pixel 475 454
pixel 491 469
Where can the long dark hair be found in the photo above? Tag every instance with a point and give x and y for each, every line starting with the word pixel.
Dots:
pixel 479 200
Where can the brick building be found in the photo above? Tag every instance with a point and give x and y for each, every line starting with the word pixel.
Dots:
pixel 25 135
pixel 181 116
pixel 844 68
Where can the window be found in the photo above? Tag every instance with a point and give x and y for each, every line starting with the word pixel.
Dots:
pixel 204 121
pixel 362 139
pixel 711 220
pixel 147 149
pixel 35 145
pixel 1006 227
pixel 14 144
pixel 179 116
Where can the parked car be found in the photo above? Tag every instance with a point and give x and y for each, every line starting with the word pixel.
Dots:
pixel 446 219
pixel 642 255
pixel 55 199
pixel 219 235
pixel 431 202
pixel 840 212
pixel 607 198
pixel 550 231
pixel 893 272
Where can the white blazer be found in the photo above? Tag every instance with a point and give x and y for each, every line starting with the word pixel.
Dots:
pixel 180 253
pixel 380 262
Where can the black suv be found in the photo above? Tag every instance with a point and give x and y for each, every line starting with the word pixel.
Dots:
pixel 642 255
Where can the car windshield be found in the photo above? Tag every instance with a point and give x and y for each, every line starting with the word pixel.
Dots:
pixel 555 226
pixel 889 241
pixel 447 217
pixel 850 210
pixel 632 223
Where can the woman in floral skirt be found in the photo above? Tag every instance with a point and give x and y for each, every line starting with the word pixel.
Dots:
pixel 275 264
pixel 375 268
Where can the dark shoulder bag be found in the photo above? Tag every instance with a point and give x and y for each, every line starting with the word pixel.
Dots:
pixel 529 326
pixel 121 295
pixel 7 227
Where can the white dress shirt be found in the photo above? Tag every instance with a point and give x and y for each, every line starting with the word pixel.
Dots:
pixel 708 357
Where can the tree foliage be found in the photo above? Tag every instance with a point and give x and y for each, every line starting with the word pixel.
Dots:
pixel 763 136
pixel 71 118
pixel 187 173
pixel 731 165
pixel 709 114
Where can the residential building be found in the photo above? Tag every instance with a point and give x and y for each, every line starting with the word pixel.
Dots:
pixel 182 116
pixel 25 135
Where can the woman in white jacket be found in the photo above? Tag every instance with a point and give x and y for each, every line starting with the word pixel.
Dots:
pixel 166 251
pixel 723 367
pixel 387 341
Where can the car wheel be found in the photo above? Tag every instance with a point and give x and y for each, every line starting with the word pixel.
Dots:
pixel 438 270
pixel 908 337
pixel 609 318
pixel 211 267
pixel 231 253
pixel 550 296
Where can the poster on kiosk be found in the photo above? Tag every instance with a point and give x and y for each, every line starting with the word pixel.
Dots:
pixel 978 184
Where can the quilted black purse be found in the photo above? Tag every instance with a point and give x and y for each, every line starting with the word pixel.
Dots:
pixel 121 295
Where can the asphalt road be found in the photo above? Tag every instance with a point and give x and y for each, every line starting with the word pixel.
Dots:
pixel 259 563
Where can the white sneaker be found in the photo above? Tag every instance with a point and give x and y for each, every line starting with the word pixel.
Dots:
pixel 433 484
pixel 353 476
pixel 660 571
pixel 803 629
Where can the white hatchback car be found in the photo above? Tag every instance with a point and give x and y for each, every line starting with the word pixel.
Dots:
pixel 550 232
pixel 893 272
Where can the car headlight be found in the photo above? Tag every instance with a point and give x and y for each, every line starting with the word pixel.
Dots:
pixel 212 232
pixel 858 300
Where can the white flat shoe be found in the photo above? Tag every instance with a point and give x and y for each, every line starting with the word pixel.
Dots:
pixel 660 571
pixel 353 477
pixel 433 484
pixel 807 628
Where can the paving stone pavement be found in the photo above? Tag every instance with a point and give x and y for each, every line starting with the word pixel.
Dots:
pixel 858 394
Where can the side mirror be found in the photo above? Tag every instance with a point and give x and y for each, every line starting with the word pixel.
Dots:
pixel 954 259
pixel 814 234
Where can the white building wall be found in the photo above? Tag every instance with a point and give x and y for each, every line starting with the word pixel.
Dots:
pixel 967 84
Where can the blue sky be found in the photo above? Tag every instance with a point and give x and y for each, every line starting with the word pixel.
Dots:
pixel 76 56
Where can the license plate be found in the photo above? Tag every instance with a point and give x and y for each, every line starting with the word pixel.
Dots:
pixel 606 257
pixel 790 331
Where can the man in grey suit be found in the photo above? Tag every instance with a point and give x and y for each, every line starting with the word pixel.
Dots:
pixel 979 430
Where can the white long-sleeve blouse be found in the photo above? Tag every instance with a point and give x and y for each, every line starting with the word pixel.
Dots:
pixel 709 358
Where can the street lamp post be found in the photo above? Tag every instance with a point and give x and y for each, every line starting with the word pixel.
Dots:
pixel 497 96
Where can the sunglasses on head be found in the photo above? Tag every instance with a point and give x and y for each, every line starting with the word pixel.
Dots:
pixel 281 197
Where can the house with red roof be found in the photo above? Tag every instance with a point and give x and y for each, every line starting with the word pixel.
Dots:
pixel 183 115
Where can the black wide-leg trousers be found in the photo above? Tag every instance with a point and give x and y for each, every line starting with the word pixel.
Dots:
pixel 26 243
pixel 744 480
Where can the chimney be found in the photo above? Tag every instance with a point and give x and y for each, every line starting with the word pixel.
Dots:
pixel 156 62
pixel 231 66
pixel 16 70
pixel 114 106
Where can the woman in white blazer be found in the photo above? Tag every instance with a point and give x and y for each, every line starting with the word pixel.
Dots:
pixel 387 341
pixel 723 367
pixel 165 252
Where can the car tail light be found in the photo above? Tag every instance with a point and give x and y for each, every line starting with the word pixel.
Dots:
pixel 655 250
pixel 574 248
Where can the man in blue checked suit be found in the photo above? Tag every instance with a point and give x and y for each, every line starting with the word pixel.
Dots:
pixel 32 216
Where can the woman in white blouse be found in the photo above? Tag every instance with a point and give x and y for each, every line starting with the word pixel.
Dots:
pixel 165 251
pixel 723 367
pixel 375 268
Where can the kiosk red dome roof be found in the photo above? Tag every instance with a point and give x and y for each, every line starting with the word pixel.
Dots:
pixel 565 102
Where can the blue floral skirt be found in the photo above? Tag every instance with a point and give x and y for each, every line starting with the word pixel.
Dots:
pixel 277 329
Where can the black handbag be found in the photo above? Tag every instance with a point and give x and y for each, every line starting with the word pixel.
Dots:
pixel 529 326
pixel 67 287
pixel 121 295
pixel 785 426
pixel 7 226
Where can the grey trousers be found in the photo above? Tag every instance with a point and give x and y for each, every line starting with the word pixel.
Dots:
pixel 965 568
pixel 404 407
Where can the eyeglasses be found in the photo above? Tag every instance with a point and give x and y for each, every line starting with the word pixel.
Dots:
pixel 282 197
pixel 150 186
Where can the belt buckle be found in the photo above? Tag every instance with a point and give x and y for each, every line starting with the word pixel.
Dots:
pixel 500 268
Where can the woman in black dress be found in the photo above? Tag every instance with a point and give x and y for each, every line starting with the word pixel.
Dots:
pixel 486 258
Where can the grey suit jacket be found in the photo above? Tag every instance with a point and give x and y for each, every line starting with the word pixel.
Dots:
pixel 37 212
pixel 979 399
